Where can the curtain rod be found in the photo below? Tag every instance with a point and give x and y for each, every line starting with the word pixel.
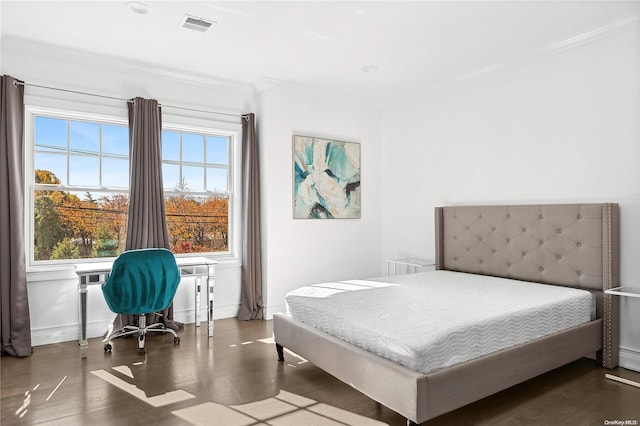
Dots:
pixel 22 83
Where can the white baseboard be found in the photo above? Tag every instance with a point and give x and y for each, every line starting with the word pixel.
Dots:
pixel 274 309
pixel 67 333
pixel 630 359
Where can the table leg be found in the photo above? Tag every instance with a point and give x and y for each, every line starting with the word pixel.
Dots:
pixel 198 279
pixel 82 312
pixel 211 283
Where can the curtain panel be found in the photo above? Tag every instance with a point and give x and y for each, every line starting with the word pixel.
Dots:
pixel 15 329
pixel 251 306
pixel 146 222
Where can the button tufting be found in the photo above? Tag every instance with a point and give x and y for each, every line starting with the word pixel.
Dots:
pixel 493 251
pixel 541 242
pixel 508 216
pixel 524 229
pixel 579 216
pixel 541 269
pixel 579 272
pixel 559 257
pixel 541 217
pixel 559 231
pixel 467 228
pixel 579 244
pixel 508 265
pixel 493 228
pixel 508 240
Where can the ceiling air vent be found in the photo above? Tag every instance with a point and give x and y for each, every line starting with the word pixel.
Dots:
pixel 196 24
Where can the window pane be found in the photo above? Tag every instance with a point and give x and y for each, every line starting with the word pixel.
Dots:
pixel 84 137
pixel 171 177
pixel 198 224
pixel 170 146
pixel 50 134
pixel 71 225
pixel 217 179
pixel 85 217
pixel 217 150
pixel 50 168
pixel 84 171
pixel 115 140
pixel 193 178
pixel 115 173
pixel 192 148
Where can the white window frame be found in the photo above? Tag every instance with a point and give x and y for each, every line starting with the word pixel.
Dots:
pixel 170 123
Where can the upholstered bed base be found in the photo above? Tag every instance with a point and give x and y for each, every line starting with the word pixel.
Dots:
pixel 420 397
pixel 466 240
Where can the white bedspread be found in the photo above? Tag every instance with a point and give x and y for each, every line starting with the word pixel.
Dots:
pixel 437 319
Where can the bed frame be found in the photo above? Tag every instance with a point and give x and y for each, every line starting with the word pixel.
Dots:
pixel 572 245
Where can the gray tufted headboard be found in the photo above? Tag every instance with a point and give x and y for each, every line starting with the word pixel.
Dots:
pixel 574 245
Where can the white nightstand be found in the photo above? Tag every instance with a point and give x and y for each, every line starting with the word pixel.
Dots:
pixel 624 291
pixel 410 263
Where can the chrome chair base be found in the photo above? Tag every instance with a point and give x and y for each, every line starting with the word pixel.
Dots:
pixel 141 330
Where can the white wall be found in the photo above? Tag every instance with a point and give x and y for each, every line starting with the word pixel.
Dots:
pixel 299 252
pixel 559 127
pixel 53 291
pixel 295 252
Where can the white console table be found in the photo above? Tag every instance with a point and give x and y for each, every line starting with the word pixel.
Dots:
pixel 408 262
pixel 97 273
pixel 624 291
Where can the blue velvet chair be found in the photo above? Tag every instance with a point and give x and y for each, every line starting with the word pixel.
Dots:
pixel 141 282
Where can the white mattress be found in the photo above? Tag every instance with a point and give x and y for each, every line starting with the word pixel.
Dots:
pixel 437 319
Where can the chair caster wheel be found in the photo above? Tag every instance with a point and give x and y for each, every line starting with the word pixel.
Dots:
pixel 176 340
pixel 107 347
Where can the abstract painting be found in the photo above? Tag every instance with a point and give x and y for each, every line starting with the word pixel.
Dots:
pixel 326 179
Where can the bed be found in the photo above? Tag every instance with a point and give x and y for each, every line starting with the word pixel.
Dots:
pixel 573 246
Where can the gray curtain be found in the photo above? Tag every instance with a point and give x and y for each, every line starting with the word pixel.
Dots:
pixel 251 306
pixel 15 330
pixel 146 223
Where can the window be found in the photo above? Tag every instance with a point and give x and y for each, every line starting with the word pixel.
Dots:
pixel 78 175
pixel 197 183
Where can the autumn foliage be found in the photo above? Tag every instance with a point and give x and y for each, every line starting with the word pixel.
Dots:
pixel 67 225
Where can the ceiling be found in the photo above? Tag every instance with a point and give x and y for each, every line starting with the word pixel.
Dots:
pixel 322 45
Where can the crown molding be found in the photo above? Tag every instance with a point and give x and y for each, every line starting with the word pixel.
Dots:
pixel 70 55
pixel 267 84
pixel 626 23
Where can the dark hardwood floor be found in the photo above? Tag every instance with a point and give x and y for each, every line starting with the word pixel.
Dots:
pixel 234 379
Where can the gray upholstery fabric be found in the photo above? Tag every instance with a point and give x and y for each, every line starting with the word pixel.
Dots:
pixel 573 245
pixel 421 397
pixel 555 244
pixel 570 245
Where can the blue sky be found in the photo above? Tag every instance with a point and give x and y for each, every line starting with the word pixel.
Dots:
pixel 83 141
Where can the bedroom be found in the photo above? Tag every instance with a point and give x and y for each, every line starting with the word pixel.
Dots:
pixel 552 122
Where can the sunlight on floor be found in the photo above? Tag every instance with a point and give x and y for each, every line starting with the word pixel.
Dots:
pixel 285 409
